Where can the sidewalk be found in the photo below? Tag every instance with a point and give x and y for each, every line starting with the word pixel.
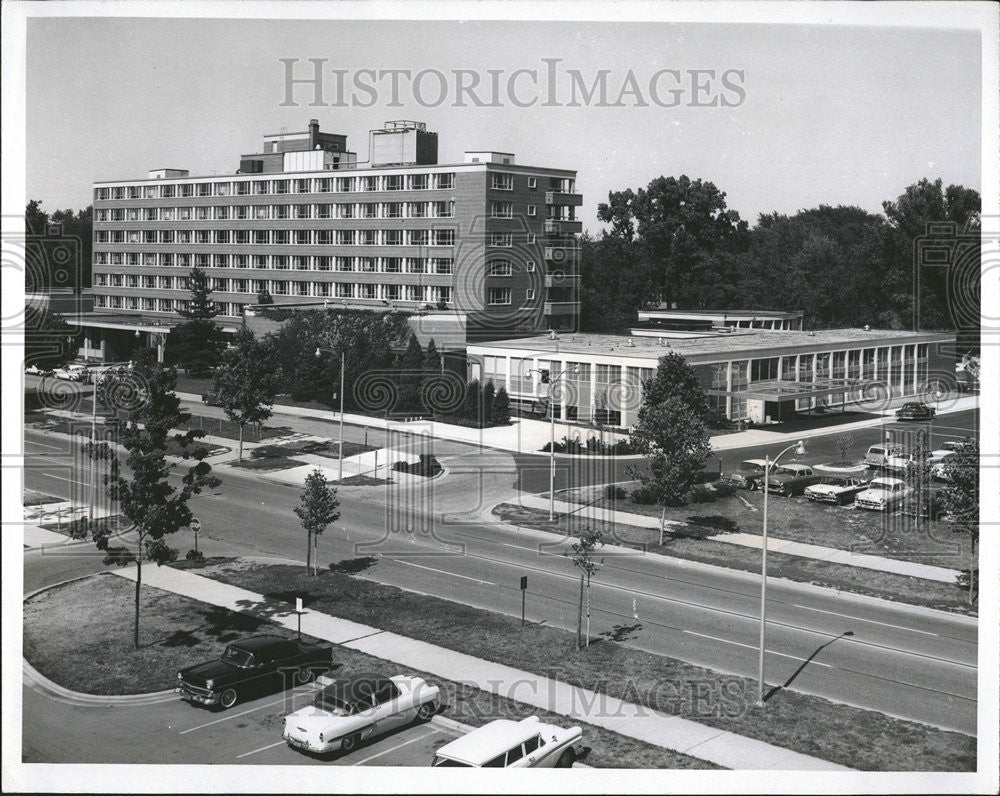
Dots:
pixel 635 721
pixel 526 435
pixel 802 549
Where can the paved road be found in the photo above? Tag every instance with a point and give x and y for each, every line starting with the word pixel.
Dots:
pixel 913 664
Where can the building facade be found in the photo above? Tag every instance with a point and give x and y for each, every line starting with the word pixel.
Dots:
pixel 303 221
pixel 748 374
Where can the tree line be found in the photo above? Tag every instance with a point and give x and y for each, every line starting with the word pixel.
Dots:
pixel 677 241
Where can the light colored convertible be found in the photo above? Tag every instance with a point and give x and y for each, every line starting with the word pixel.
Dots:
pixel 350 710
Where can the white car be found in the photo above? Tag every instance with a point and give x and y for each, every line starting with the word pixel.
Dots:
pixel 350 710
pixel 878 455
pixel 72 373
pixel 836 489
pixel 883 494
pixel 505 743
pixel 35 370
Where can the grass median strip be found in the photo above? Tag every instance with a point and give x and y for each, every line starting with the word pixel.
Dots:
pixel 79 636
pixel 814 726
pixel 690 542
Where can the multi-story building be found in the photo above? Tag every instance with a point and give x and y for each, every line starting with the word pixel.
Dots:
pixel 306 223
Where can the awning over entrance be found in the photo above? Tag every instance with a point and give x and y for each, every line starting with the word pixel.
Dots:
pixel 780 390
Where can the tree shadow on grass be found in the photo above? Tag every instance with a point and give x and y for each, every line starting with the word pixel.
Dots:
pixel 352 566
pixel 181 638
pixel 622 632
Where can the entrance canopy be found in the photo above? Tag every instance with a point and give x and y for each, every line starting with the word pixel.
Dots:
pixel 780 390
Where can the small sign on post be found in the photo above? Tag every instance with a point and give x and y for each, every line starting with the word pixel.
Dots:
pixel 524 590
pixel 298 613
pixel 195 526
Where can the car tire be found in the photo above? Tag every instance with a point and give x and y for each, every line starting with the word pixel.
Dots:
pixel 350 743
pixel 229 698
pixel 785 492
pixel 304 675
pixel 566 759
pixel 425 711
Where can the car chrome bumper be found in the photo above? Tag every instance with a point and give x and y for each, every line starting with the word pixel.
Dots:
pixel 864 504
pixel 823 498
pixel 305 746
pixel 211 698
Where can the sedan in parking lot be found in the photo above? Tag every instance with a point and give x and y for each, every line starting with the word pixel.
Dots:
pixel 748 475
pixel 915 411
pixel 350 710
pixel 792 479
pixel 837 489
pixel 252 665
pixel 883 494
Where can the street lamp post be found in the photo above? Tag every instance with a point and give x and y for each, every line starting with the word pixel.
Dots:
pixel 552 379
pixel 340 451
pixel 800 449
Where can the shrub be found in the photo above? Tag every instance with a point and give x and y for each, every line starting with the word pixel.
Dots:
pixel 643 496
pixel 194 555
pixel 614 492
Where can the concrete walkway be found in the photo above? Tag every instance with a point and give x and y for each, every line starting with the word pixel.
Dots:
pixel 635 721
pixel 785 546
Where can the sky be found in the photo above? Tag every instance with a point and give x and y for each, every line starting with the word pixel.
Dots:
pixel 802 115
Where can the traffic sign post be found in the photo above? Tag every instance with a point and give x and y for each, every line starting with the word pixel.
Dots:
pixel 195 526
pixel 524 591
pixel 298 612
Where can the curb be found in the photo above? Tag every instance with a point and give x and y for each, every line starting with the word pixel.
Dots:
pixel 33 677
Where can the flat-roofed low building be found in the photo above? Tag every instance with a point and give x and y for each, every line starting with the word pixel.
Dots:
pixel 747 373
pixel 653 321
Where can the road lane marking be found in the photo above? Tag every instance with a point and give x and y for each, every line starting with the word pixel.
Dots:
pixel 44 474
pixel 262 749
pixel 245 712
pixel 394 748
pixel 872 621
pixel 754 647
pixel 43 445
pixel 442 571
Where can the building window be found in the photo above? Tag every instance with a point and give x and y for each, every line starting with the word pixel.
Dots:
pixel 417 209
pixel 369 237
pixel 502 209
pixel 503 240
pixel 530 266
pixel 531 211
pixel 368 210
pixel 444 237
pixel 419 182
pixel 529 294
pixel 502 182
pixel 444 181
pixel 443 210
pixel 498 268
pixel 369 183
pixel 533 183
pixel 498 295
pixel 392 210
pixel 443 265
pixel 394 182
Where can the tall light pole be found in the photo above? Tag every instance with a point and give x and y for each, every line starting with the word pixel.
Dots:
pixel 551 378
pixel 340 452
pixel 800 449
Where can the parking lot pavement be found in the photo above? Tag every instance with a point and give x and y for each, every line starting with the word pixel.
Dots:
pixel 251 733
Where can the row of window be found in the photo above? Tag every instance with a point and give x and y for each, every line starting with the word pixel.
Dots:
pixel 506 210
pixel 388 265
pixel 261 187
pixel 430 294
pixel 281 237
pixel 439 209
pixel 503 181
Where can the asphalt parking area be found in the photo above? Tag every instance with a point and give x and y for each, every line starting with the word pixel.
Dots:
pixel 250 732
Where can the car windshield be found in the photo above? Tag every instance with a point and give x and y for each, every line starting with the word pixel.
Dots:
pixel 332 704
pixel 879 485
pixel 785 471
pixel 833 481
pixel 237 657
pixel 752 466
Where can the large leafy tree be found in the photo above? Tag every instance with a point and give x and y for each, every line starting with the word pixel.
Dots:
pixel 615 281
pixel 48 340
pixel 58 260
pixel 196 344
pixel 678 224
pixel 246 382
pixel 154 508
pixel 317 509
pixel 961 499
pixel 675 378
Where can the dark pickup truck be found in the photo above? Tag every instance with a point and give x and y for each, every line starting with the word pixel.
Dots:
pixel 253 665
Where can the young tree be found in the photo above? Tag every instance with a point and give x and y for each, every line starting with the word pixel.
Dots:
pixel 473 400
pixel 584 549
pixel 843 443
pixel 486 407
pixel 317 509
pixel 411 374
pixel 432 359
pixel 675 378
pixel 246 382
pixel 153 506
pixel 196 344
pixel 961 499
pixel 264 296
pixel 676 443
pixel 501 408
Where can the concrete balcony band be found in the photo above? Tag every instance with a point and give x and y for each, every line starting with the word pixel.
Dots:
pixel 560 227
pixel 564 199
pixel 562 280
pixel 561 308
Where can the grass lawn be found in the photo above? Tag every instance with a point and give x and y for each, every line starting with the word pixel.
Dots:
pixel 690 542
pixel 892 535
pixel 327 448
pixel 79 635
pixel 220 427
pixel 81 428
pixel 77 529
pixel 858 738
pixel 266 463
pixel 32 497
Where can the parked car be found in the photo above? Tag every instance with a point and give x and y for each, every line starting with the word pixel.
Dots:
pixel 792 479
pixel 252 665
pixel 878 454
pixel 883 494
pixel 35 370
pixel 915 411
pixel 837 489
pixel 73 372
pixel 505 743
pixel 749 475
pixel 350 710
pixel 926 504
